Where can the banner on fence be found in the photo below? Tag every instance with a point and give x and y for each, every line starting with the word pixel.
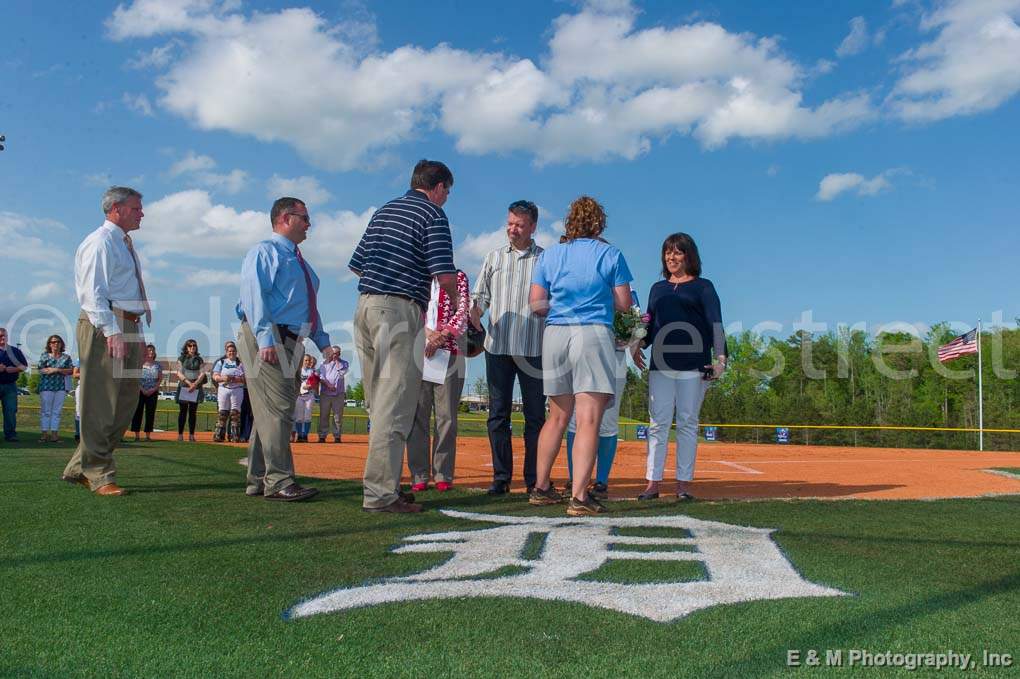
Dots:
pixel 711 433
pixel 642 432
pixel 782 434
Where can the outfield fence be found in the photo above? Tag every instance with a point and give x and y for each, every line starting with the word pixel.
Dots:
pixel 891 436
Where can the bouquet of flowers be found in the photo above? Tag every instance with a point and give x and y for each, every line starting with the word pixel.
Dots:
pixel 630 326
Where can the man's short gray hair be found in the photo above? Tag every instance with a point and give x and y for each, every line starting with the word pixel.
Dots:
pixel 118 194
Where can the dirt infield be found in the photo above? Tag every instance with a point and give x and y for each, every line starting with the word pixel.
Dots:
pixel 732 471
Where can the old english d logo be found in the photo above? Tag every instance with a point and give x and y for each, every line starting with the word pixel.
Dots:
pixel 743 564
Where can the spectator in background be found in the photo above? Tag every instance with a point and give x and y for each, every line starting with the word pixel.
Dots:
pixel 332 394
pixel 307 389
pixel 54 368
pixel 148 393
pixel 228 373
pixel 12 364
pixel 189 389
pixel 444 329
pixel 76 383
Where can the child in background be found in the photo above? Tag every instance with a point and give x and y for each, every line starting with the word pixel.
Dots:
pixel 305 401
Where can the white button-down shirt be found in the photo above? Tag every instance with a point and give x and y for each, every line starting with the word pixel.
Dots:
pixel 104 277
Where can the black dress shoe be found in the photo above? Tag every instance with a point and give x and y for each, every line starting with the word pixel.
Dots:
pixel 499 488
pixel 648 496
pixel 293 493
pixel 406 497
pixel 398 506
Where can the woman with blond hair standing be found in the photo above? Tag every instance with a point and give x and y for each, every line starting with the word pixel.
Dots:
pixel 577 285
pixel 54 367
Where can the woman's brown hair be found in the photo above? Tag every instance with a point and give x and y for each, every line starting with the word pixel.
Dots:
pixel 585 219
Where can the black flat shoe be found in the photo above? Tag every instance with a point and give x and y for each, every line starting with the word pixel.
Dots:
pixel 499 488
pixel 684 497
pixel 648 496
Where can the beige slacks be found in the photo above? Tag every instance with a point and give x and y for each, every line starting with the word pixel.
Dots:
pixel 446 399
pixel 109 396
pixel 272 390
pixel 390 343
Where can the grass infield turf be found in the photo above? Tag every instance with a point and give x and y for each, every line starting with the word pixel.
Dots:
pixel 186 577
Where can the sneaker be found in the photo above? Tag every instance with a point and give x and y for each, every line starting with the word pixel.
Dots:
pixel 443 486
pixel 540 498
pixel 599 491
pixel 589 507
pixel 419 487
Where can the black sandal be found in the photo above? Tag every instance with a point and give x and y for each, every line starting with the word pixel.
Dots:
pixel 684 497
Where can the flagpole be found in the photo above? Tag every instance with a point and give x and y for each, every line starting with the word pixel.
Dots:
pixel 981 401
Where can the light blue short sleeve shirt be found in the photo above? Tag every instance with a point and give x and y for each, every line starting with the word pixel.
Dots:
pixel 580 277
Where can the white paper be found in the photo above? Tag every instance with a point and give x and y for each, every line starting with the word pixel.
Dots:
pixel 435 368
pixel 189 396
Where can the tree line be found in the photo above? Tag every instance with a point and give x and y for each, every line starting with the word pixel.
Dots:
pixel 849 378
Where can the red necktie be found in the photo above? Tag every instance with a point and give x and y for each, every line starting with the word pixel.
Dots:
pixel 313 307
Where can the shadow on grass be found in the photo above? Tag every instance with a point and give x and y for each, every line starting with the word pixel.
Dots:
pixel 869 622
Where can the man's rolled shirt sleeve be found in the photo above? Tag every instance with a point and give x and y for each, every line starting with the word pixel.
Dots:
pixel 93 288
pixel 257 274
pixel 482 295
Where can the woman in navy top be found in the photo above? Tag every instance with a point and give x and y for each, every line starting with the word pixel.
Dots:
pixel 688 350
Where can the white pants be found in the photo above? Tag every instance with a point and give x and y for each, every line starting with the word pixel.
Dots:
pixel 303 407
pixel 683 392
pixel 229 398
pixel 50 403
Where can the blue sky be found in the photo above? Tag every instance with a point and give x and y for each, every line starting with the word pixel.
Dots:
pixel 857 161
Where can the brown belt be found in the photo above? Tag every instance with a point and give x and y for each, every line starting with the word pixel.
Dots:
pixel 127 315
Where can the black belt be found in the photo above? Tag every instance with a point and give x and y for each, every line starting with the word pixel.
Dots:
pixel 282 331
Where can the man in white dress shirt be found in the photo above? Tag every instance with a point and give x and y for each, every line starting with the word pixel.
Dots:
pixel 108 283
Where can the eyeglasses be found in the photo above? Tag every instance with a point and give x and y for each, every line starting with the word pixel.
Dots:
pixel 303 217
pixel 54 341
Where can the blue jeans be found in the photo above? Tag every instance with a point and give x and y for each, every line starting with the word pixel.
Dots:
pixel 500 370
pixel 9 398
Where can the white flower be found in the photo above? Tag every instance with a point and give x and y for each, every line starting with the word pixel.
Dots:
pixel 640 333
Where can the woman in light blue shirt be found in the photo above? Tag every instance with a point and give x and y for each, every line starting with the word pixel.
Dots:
pixel 577 285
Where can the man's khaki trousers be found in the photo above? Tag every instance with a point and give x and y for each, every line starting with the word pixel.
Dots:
pixel 272 389
pixel 109 396
pixel 390 343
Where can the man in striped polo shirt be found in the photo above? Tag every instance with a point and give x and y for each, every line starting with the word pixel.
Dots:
pixel 406 244
pixel 513 345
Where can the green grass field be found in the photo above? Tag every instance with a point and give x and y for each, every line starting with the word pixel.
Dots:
pixel 187 577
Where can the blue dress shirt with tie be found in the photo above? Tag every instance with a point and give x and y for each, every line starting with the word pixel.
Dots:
pixel 274 292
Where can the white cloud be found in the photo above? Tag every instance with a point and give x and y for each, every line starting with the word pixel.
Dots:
pixel 832 185
pixel 198 169
pixel 157 57
pixel 189 223
pixel 22 241
pixel 191 162
pixel 856 41
pixel 607 88
pixel 43 291
pixel 307 189
pixel 972 64
pixel 213 278
pixel 138 103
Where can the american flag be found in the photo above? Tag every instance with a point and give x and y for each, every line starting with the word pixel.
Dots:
pixel 959 346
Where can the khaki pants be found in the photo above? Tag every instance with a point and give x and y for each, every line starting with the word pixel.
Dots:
pixel 331 406
pixel 272 390
pixel 109 396
pixel 446 399
pixel 390 343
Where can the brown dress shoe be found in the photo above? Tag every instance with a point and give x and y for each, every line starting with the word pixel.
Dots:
pixel 398 506
pixel 111 489
pixel 293 493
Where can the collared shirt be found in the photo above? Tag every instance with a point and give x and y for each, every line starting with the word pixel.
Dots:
pixel 331 377
pixel 105 277
pixel 274 292
pixel 502 288
pixel 53 381
pixel 11 356
pixel 407 242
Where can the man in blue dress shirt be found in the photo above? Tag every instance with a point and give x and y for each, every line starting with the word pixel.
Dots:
pixel 278 309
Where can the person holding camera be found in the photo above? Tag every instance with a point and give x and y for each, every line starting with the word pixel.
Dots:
pixel 688 351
